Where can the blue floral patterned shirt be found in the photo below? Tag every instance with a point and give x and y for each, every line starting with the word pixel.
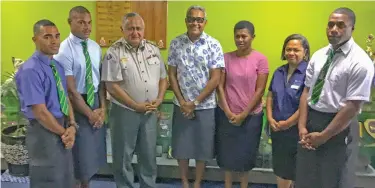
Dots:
pixel 193 62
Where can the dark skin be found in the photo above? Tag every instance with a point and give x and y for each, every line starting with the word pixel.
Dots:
pixel 133 31
pixel 294 54
pixel 195 24
pixel 243 40
pixel 80 26
pixel 339 31
pixel 47 42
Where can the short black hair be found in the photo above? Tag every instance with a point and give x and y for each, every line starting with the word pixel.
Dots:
pixel 42 23
pixel 245 25
pixel 304 42
pixel 347 11
pixel 77 9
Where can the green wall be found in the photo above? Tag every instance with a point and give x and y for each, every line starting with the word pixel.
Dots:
pixel 273 21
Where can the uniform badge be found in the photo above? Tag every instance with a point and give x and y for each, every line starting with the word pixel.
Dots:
pixel 124 60
pixel 109 56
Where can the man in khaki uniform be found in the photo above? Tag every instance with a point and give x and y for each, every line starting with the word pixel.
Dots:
pixel 135 77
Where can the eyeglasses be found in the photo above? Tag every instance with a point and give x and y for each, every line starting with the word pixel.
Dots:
pixel 193 19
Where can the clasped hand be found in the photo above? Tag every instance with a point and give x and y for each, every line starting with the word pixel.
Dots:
pixel 278 126
pixel 187 109
pixel 68 138
pixel 147 107
pixel 97 117
pixel 236 119
pixel 311 140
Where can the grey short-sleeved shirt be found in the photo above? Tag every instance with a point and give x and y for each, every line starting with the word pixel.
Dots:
pixel 138 72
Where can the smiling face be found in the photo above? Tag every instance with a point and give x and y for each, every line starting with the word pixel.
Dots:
pixel 339 28
pixel 294 52
pixel 243 39
pixel 47 40
pixel 195 23
pixel 133 30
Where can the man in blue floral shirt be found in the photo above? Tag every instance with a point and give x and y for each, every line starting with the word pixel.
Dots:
pixel 195 61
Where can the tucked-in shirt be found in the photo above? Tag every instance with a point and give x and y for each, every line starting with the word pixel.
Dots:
pixel 36 85
pixel 241 78
pixel 348 78
pixel 286 93
pixel 73 60
pixel 137 71
pixel 193 62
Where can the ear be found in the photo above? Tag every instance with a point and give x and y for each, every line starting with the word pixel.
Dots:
pixel 122 30
pixel 69 21
pixel 13 59
pixel 34 38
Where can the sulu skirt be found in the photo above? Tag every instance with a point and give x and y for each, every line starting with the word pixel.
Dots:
pixel 237 146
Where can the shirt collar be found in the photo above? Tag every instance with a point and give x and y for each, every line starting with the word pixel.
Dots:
pixel 202 38
pixel 76 39
pixel 42 57
pixel 301 67
pixel 345 48
pixel 128 46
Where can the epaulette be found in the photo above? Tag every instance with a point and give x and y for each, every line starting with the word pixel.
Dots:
pixel 152 43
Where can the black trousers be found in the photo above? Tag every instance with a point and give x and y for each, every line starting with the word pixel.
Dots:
pixel 331 165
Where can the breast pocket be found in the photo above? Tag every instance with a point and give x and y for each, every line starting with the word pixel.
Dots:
pixel 154 66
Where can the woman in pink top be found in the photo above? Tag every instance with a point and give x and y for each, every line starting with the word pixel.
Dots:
pixel 240 115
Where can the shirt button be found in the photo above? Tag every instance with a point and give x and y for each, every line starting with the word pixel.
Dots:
pixel 146 90
pixel 143 71
pixel 145 80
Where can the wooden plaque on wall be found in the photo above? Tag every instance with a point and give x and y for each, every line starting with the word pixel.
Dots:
pixel 109 16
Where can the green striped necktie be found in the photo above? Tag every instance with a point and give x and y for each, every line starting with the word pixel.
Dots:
pixel 88 78
pixel 318 87
pixel 64 105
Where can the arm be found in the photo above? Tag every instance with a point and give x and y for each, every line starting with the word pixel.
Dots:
pixel 30 82
pixel 358 91
pixel 269 105
pixel 260 86
pixel 215 65
pixel 303 104
pixel 221 93
pixel 303 109
pixel 76 98
pixel 163 85
pixel 259 92
pixel 120 95
pixel 46 119
pixel 163 82
pixel 112 76
pixel 212 84
pixel 293 120
pixel 102 96
pixel 172 73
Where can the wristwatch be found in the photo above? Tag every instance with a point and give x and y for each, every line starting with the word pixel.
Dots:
pixel 196 102
pixel 74 124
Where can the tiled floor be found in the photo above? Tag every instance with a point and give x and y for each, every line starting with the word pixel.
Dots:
pixel 108 183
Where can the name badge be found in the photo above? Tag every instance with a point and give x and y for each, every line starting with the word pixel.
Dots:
pixel 295 86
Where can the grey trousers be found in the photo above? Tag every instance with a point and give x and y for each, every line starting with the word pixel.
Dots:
pixel 331 165
pixel 51 165
pixel 133 132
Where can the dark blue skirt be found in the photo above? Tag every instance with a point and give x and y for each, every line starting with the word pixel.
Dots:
pixel 237 146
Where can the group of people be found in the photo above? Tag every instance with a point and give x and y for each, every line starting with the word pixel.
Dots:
pixel 218 103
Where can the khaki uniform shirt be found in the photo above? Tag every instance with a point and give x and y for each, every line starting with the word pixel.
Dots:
pixel 138 72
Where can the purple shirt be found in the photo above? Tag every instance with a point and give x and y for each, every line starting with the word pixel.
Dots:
pixel 36 85
pixel 286 94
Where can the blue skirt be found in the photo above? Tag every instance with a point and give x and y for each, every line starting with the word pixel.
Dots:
pixel 237 146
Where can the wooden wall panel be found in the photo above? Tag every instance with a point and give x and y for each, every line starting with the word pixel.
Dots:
pixel 109 18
